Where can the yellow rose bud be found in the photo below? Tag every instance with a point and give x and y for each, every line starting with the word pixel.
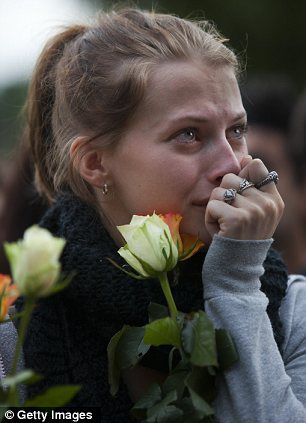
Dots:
pixel 35 262
pixel 150 249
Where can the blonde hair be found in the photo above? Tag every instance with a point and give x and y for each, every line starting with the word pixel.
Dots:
pixel 91 79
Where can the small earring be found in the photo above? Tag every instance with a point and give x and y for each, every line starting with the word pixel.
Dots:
pixel 105 189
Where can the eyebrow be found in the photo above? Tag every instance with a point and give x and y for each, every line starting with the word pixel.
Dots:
pixel 203 119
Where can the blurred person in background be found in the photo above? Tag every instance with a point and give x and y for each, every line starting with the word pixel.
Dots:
pixel 298 150
pixel 269 101
pixel 20 206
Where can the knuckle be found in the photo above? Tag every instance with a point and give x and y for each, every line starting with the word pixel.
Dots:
pixel 271 207
pixel 281 204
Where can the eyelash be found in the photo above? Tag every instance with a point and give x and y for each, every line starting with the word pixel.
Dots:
pixel 243 128
pixel 190 129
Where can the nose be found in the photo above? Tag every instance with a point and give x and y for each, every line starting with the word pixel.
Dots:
pixel 223 160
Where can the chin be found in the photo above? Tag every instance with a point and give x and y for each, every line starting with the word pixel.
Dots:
pixel 197 230
pixel 205 237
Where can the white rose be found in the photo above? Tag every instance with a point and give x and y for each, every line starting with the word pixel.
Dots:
pixel 150 249
pixel 35 262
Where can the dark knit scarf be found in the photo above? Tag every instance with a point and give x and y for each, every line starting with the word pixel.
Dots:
pixel 69 332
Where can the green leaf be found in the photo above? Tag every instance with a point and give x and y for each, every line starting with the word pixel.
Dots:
pixel 132 274
pixel 26 377
pixel 157 311
pixel 175 382
pixel 113 368
pixel 56 396
pixel 162 332
pixel 125 349
pixel 202 407
pixel 198 339
pixel 131 347
pixel 191 415
pixel 163 412
pixel 227 354
pixel 202 382
pixel 187 336
pixel 150 397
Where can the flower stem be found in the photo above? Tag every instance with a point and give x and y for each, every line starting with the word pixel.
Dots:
pixel 25 319
pixel 163 279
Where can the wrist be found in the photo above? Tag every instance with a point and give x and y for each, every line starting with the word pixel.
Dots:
pixel 234 266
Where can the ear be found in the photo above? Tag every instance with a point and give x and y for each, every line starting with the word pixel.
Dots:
pixel 88 161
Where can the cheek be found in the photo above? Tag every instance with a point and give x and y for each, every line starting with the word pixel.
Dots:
pixel 161 183
pixel 178 174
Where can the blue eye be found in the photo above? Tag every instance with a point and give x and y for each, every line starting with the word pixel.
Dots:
pixel 238 132
pixel 187 135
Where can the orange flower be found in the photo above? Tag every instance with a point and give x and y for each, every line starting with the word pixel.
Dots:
pixel 187 245
pixel 8 294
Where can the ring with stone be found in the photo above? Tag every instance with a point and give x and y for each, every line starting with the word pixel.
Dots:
pixel 245 184
pixel 271 177
pixel 229 195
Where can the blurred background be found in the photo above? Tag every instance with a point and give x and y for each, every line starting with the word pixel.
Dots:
pixel 268 35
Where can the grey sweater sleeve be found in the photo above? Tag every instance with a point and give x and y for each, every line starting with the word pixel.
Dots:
pixel 258 387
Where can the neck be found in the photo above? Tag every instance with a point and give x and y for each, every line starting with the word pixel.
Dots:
pixel 112 230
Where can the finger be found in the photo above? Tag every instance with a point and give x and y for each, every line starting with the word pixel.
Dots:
pixel 215 216
pixel 230 180
pixel 243 200
pixel 244 218
pixel 223 219
pixel 256 171
pixel 233 181
pixel 246 160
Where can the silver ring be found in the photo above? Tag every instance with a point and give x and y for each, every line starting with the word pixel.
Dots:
pixel 229 195
pixel 271 177
pixel 244 184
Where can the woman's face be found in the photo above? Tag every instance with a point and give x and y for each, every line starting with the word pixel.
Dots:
pixel 186 135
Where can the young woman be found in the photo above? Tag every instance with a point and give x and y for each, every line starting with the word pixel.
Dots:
pixel 141 112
